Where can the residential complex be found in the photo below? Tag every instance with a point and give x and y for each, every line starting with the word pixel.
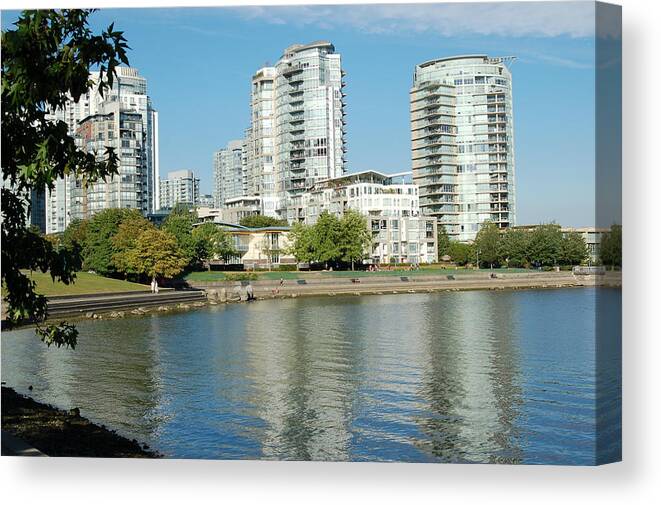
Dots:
pixel 180 187
pixel 113 125
pixel 462 142
pixel 229 172
pixel 296 133
pixel 260 165
pixel 128 96
pixel 206 201
pixel 400 234
pixel 308 113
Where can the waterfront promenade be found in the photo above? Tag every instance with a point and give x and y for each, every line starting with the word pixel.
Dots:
pixel 196 294
pixel 319 285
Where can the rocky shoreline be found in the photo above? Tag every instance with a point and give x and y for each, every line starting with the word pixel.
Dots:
pixel 63 433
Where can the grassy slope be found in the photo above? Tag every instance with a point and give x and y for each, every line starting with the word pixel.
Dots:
pixel 85 283
pixel 219 276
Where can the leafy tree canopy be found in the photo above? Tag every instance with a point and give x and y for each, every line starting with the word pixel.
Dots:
pixel 46 60
pixel 125 239
pixel 180 224
pixel 99 247
pixel 514 247
pixel 355 237
pixel 610 251
pixel 443 242
pixel 487 243
pixel 544 245
pixel 573 249
pixel 300 243
pixel 326 238
pixel 260 221
pixel 211 242
pixel 461 253
pixel 156 253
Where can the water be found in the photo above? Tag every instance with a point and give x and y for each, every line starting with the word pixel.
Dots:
pixel 470 376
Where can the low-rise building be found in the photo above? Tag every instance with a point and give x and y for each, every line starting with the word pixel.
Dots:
pixel 205 201
pixel 258 248
pixel 390 204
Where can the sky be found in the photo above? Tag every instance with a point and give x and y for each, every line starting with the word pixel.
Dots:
pixel 199 61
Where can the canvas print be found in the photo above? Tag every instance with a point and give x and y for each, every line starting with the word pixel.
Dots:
pixel 314 232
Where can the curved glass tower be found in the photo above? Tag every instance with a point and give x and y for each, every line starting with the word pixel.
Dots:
pixel 309 121
pixel 462 142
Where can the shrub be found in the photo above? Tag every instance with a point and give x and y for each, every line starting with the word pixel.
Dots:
pixel 241 276
pixel 288 267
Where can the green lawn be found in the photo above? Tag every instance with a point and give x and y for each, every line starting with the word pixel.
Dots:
pixel 220 276
pixel 84 283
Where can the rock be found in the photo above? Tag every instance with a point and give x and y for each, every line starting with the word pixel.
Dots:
pixel 223 295
pixel 29 387
pixel 199 304
pixel 89 315
pixel 294 295
pixel 74 412
pixel 95 316
pixel 357 293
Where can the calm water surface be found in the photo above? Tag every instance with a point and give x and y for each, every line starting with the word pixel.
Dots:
pixel 470 376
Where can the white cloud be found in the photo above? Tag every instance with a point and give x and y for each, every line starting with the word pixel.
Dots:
pixel 513 19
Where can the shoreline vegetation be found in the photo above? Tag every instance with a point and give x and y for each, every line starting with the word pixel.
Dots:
pixel 63 433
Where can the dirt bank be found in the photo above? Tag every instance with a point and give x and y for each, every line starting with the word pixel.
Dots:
pixel 57 432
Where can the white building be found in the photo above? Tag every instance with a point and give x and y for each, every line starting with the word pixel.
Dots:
pixel 130 91
pixel 180 187
pixel 400 234
pixel 296 137
pixel 229 172
pixel 260 165
pixel 206 201
pixel 462 142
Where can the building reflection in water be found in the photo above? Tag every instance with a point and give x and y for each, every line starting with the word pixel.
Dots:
pixel 463 376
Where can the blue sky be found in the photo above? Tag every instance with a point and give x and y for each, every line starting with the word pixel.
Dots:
pixel 198 63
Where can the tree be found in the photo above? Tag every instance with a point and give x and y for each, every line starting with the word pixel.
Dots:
pixel 46 60
pixel 260 221
pixel 75 235
pixel 487 243
pixel 125 239
pixel 355 237
pixel 180 224
pixel 326 237
pixel 573 249
pixel 99 248
pixel 443 242
pixel 610 250
pixel 460 252
pixel 514 247
pixel 544 245
pixel 211 242
pixel 300 243
pixel 157 254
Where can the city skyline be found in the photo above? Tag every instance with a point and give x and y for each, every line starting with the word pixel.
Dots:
pixel 553 76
